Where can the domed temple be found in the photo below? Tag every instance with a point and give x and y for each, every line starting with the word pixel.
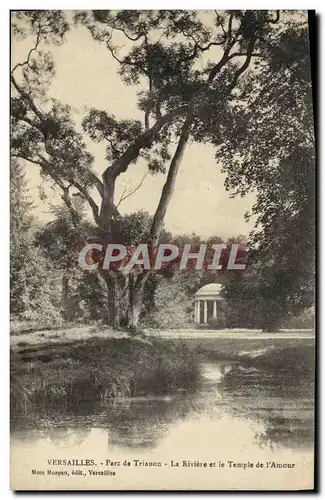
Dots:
pixel 207 303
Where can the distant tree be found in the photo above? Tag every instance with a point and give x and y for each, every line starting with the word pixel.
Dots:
pixel 172 304
pixel 171 300
pixel 61 240
pixel 33 287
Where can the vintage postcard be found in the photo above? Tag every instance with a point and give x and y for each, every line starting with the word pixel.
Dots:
pixel 162 184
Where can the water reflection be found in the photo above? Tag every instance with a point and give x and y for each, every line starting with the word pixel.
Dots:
pixel 237 404
pixel 282 401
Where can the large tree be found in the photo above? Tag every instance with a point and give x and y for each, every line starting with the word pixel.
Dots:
pixel 268 146
pixel 190 71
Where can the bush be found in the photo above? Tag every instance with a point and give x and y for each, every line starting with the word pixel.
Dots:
pixel 173 307
pixel 305 320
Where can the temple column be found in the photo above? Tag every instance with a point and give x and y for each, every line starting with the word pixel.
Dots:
pixel 205 311
pixel 198 312
pixel 215 315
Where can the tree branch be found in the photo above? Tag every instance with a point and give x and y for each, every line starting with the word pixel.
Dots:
pixel 27 98
pixel 133 39
pixel 215 70
pixel 124 61
pixel 97 182
pixel 33 49
pixel 46 167
pixel 89 199
pixel 221 23
pixel 84 192
pixel 243 68
pixel 126 195
pixel 244 54
pixel 198 48
pixel 114 149
pixel 229 32
pixel 145 139
pixel 74 213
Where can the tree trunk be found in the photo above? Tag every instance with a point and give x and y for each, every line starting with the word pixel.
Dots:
pixel 136 285
pixel 136 294
pixel 113 298
pixel 168 189
pixel 65 303
pixel 107 205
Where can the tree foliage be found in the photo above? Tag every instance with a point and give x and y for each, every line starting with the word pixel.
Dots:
pixel 33 287
pixel 238 80
pixel 268 146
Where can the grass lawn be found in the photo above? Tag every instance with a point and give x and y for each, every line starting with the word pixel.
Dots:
pixel 67 334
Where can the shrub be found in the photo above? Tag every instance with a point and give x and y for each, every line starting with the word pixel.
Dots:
pixel 173 306
pixel 306 319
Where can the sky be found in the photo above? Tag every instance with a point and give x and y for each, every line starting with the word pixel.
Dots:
pixel 86 76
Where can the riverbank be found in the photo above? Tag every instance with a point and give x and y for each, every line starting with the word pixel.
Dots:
pixel 234 333
pixel 64 374
pixel 292 356
pixel 63 368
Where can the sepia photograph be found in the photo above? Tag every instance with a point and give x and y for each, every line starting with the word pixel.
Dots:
pixel 162 250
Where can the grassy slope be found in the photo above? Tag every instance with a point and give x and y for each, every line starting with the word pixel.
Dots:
pixel 63 368
pixel 70 333
pixel 65 371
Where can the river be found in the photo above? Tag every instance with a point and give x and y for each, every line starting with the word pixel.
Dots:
pixel 238 413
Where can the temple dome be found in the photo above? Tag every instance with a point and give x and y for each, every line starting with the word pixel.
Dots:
pixel 212 289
